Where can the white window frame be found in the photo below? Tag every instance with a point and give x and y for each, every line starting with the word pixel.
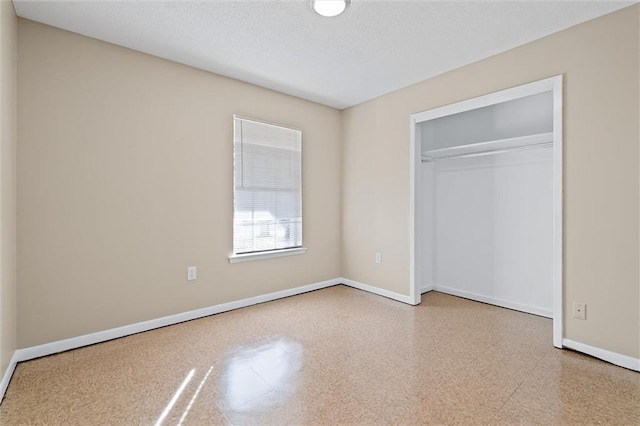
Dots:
pixel 244 257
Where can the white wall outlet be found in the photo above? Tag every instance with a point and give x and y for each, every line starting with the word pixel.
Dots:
pixel 580 310
pixel 192 273
pixel 378 258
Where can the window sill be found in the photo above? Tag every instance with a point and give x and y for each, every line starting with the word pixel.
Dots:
pixel 235 258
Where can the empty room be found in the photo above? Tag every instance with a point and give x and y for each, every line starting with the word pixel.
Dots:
pixel 319 212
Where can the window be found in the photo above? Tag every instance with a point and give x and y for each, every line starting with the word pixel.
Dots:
pixel 267 190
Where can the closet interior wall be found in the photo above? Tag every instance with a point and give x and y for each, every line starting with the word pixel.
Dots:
pixel 487 214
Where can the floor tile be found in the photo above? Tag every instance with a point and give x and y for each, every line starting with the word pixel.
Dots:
pixel 332 356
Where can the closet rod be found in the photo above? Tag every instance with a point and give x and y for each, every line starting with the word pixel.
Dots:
pixel 489 152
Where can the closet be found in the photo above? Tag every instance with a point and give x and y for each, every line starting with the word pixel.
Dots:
pixel 487 221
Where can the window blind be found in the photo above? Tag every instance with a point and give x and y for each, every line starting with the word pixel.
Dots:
pixel 267 191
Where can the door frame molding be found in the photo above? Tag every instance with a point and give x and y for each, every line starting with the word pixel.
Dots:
pixel 552 84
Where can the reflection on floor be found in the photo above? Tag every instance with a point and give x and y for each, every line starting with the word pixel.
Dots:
pixel 333 356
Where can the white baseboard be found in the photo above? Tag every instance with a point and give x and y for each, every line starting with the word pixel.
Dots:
pixel 495 301
pixel 427 288
pixel 105 335
pixel 6 378
pixel 375 290
pixel 605 355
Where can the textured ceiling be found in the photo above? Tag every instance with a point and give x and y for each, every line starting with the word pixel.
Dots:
pixel 375 47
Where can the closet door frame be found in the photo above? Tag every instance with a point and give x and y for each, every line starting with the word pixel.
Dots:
pixel 552 84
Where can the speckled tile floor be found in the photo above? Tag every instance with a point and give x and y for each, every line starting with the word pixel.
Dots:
pixel 333 356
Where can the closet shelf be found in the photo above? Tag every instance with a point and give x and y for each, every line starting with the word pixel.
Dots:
pixel 489 147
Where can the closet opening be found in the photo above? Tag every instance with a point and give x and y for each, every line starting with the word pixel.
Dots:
pixel 486 200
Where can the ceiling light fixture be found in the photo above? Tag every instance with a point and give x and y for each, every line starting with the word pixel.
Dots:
pixel 329 8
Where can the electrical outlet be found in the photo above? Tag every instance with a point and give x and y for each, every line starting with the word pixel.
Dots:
pixel 192 273
pixel 580 310
pixel 378 258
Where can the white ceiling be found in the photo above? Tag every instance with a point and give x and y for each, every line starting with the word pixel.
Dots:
pixel 372 49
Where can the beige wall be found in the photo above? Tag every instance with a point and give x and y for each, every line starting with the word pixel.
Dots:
pixel 125 179
pixel 8 140
pixel 600 62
